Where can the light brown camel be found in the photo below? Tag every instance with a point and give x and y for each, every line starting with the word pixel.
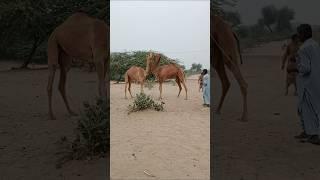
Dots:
pixel 79 37
pixel 162 73
pixel 224 50
pixel 136 74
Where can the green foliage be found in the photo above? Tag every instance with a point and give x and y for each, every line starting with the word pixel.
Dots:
pixel 120 62
pixel 93 127
pixel 285 15
pixel 143 102
pixel 92 135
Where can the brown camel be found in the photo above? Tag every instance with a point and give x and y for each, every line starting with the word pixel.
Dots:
pixel 289 59
pixel 79 37
pixel 136 74
pixel 162 73
pixel 224 51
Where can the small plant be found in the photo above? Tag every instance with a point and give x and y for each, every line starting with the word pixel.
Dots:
pixel 143 102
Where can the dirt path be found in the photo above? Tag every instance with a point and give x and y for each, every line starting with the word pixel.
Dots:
pixel 169 145
pixel 264 147
pixel 28 139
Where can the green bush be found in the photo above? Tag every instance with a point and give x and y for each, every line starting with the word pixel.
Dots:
pixel 143 102
pixel 92 134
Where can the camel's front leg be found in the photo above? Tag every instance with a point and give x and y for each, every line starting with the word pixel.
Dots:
pixel 101 77
pixel 130 89
pixel 160 89
pixel 52 70
pixel 179 84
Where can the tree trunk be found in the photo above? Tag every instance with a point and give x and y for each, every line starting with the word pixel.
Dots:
pixel 32 52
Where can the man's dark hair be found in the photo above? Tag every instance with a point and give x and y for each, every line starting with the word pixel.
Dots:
pixel 294 37
pixel 205 71
pixel 305 30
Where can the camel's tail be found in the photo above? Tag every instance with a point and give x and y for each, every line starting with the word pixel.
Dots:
pixel 238 45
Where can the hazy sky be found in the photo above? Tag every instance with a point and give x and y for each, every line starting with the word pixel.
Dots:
pixel 179 29
pixel 307 11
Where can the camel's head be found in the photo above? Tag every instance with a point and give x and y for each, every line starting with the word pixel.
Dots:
pixel 153 60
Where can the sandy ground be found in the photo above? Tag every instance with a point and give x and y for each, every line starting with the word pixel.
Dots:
pixel 170 145
pixel 264 147
pixel 28 139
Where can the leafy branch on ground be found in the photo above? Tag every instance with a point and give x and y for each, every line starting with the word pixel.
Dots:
pixel 92 134
pixel 143 102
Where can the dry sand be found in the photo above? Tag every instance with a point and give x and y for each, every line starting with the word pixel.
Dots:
pixel 28 139
pixel 264 147
pixel 170 145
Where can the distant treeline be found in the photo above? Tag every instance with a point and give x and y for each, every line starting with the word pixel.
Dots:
pixel 120 62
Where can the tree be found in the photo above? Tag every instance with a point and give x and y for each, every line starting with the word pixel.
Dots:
pixel 285 15
pixel 269 15
pixel 27 24
pixel 216 6
pixel 196 67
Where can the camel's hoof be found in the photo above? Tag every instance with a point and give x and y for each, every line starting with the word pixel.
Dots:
pixel 185 98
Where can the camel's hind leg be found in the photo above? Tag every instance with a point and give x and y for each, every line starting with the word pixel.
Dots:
pixel 179 84
pixel 234 68
pixel 183 82
pixel 125 87
pixel 65 64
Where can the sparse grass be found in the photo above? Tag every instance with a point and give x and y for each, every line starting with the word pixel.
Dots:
pixel 92 134
pixel 143 102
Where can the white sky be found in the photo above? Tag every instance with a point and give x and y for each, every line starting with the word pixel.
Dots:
pixel 179 29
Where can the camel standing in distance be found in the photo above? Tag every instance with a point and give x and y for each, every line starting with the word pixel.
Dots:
pixel 79 37
pixel 162 73
pixel 137 74
pixel 224 51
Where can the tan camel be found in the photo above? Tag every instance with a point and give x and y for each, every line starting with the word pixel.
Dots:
pixel 162 73
pixel 79 37
pixel 224 51
pixel 136 74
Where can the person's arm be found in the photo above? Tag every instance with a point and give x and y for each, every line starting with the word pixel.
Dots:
pixel 303 62
pixel 285 57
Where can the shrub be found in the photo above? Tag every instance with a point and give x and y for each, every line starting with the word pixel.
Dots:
pixel 92 134
pixel 143 102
